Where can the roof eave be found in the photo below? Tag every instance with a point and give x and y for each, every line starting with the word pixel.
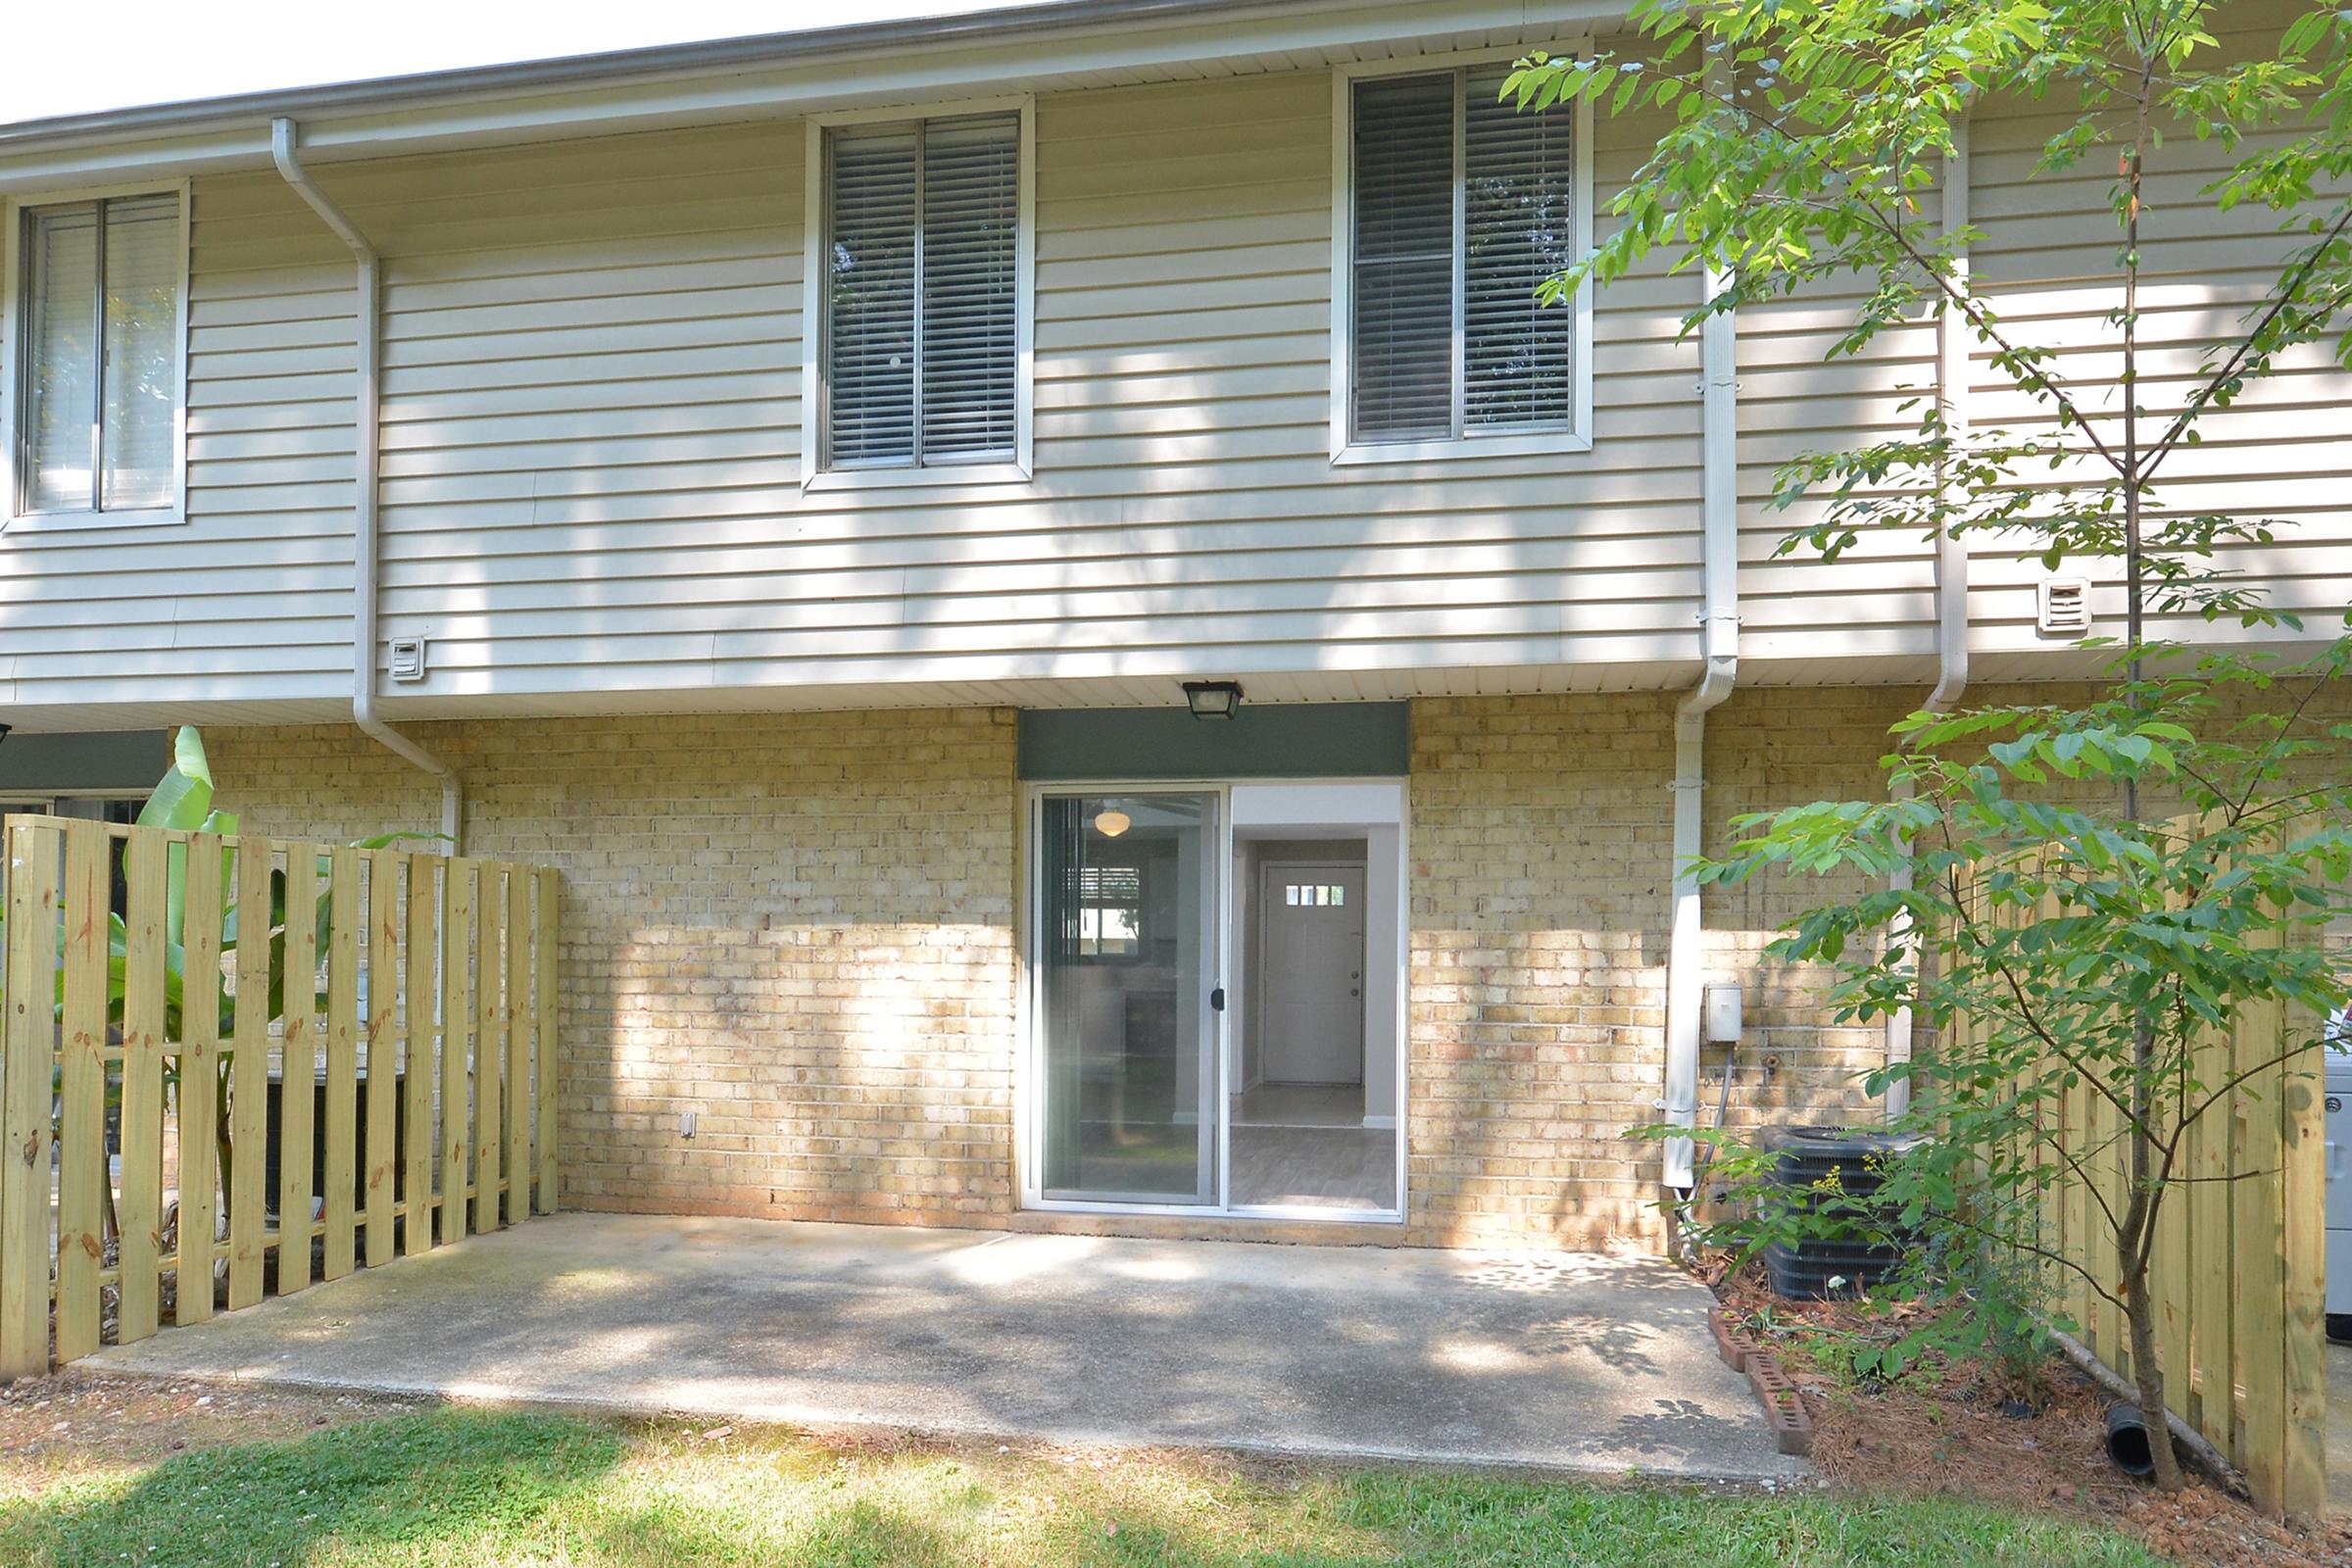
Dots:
pixel 738 79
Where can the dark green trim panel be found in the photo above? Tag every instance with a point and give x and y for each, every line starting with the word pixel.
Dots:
pixel 1295 740
pixel 129 760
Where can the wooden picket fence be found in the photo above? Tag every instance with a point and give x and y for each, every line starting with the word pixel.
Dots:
pixel 2239 1269
pixel 372 1078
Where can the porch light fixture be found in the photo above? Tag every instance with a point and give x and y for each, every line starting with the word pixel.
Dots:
pixel 1213 699
pixel 1113 822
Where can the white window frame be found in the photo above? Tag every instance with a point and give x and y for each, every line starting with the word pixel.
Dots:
pixel 1577 437
pixel 14 517
pixel 814 475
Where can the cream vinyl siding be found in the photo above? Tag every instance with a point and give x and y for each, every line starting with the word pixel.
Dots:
pixel 592 436
pixel 1878 602
pixel 248 599
pixel 591 466
pixel 2284 452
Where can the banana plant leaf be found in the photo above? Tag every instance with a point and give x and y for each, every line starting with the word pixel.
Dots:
pixel 182 800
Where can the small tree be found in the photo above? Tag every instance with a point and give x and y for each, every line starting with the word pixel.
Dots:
pixel 1807 136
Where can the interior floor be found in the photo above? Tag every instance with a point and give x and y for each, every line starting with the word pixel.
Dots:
pixel 1300 1105
pixel 1306 1145
pixel 1318 1168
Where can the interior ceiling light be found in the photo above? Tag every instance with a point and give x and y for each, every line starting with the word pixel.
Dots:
pixel 1213 699
pixel 1111 822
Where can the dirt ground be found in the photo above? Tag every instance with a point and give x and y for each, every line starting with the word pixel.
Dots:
pixel 79 1425
pixel 1942 1430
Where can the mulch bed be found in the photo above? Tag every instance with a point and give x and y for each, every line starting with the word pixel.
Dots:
pixel 1942 1430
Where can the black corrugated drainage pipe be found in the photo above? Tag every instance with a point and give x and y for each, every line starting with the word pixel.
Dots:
pixel 2128 1442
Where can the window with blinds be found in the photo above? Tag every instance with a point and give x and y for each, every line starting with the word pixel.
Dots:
pixel 922 314
pixel 100 396
pixel 1461 208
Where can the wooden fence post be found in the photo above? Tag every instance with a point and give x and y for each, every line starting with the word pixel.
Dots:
pixel 543 1003
pixel 457 1028
pixel 341 1176
pixel 421 1013
pixel 489 1046
pixel 249 1077
pixel 141 1210
pixel 25 1053
pixel 298 1071
pixel 518 1020
pixel 383 1049
pixel 199 1093
pixel 82 1176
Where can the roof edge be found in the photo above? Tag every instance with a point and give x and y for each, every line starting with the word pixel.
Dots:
pixel 995 24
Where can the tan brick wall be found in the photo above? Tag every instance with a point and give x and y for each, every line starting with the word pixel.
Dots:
pixel 801 927
pixel 797 926
pixel 1542 853
pixel 1542 829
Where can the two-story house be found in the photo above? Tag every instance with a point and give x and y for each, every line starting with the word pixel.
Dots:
pixel 1089 653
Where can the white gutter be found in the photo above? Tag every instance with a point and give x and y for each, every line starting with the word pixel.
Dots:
pixel 1719 645
pixel 367 448
pixel 1951 570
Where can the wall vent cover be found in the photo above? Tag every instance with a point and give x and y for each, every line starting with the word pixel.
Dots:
pixel 2064 609
pixel 407 659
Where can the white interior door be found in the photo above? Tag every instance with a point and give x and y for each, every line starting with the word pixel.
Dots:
pixel 1311 974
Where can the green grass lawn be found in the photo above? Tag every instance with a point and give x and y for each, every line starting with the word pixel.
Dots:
pixel 471 1488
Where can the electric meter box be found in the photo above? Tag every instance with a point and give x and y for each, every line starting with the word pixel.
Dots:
pixel 1722 1012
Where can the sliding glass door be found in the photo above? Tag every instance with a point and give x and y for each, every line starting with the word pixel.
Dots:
pixel 1128 911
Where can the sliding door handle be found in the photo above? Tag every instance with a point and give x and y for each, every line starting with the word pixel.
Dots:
pixel 1216 1000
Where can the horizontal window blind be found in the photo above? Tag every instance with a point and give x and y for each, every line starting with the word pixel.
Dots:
pixel 1403 354
pixel 921 347
pixel 140 411
pixel 1462 206
pixel 61 371
pixel 101 332
pixel 1519 190
pixel 869 307
pixel 971 207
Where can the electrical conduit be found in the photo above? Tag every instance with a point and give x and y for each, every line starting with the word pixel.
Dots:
pixel 283 136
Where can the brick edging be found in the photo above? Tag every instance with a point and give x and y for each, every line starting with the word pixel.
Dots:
pixel 1783 1408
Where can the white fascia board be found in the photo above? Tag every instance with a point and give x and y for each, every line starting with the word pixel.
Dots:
pixel 911 74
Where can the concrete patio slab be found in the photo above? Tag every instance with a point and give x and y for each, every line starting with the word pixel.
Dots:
pixel 1544 1361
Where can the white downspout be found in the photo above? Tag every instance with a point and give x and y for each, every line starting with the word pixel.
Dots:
pixel 1951 568
pixel 368 439
pixel 1719 645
